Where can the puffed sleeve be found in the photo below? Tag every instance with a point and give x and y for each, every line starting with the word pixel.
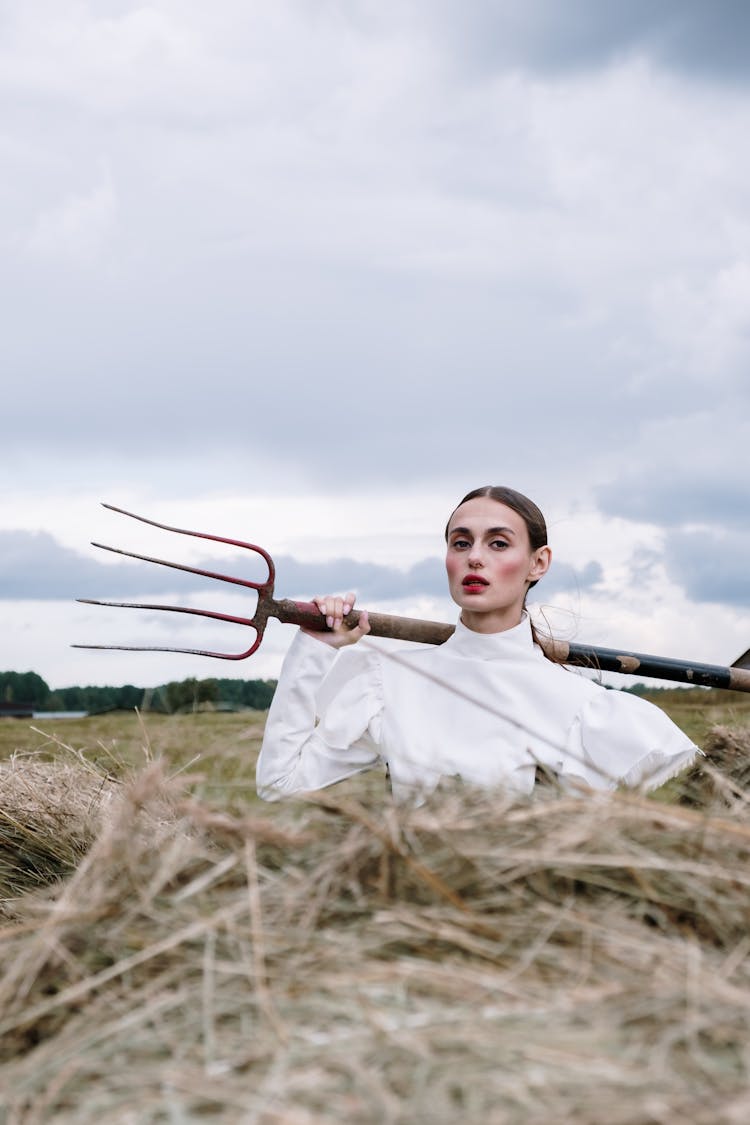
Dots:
pixel 342 694
pixel 619 739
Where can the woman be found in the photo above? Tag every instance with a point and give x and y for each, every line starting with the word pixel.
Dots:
pixel 486 706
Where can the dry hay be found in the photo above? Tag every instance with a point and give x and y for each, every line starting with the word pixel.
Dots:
pixel 49 815
pixel 571 958
pixel 723 776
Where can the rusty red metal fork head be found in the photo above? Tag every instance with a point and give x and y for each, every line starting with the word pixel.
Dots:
pixel 306 614
pixel 266 607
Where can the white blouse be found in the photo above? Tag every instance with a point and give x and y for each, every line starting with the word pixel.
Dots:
pixel 487 708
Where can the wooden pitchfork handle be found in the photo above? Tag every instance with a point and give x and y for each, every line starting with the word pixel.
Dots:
pixel 307 615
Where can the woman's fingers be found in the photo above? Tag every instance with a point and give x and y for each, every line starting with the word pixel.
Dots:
pixel 335 608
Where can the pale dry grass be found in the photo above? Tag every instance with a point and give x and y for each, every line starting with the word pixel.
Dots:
pixel 49 816
pixel 572 958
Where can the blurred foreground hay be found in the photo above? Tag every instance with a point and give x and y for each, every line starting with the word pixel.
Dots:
pixel 569 959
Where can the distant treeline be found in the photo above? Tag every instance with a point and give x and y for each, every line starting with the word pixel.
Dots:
pixel 29 689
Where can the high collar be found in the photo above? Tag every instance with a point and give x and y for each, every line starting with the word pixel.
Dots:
pixel 510 644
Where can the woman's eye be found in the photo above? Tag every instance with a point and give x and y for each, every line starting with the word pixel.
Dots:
pixel 499 544
pixel 459 544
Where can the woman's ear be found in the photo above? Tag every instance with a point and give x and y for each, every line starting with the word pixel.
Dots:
pixel 540 561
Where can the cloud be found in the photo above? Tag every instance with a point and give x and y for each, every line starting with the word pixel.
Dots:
pixel 77 227
pixel 295 243
pixel 36 566
pixel 677 498
pixel 686 35
pixel 711 567
pixel 686 471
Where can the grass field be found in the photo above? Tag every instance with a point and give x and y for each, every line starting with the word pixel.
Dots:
pixel 223 747
pixel 218 748
pixel 174 951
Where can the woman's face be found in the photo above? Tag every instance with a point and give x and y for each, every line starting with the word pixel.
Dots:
pixel 490 564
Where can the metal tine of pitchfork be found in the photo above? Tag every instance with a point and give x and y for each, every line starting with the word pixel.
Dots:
pixel 262 588
pixel 307 614
pixel 289 612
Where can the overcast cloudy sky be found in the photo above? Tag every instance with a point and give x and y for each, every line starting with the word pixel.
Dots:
pixel 305 271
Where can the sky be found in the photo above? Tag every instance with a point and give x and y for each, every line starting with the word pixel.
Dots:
pixel 304 273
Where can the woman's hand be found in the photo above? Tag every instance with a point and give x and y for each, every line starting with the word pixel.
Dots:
pixel 335 609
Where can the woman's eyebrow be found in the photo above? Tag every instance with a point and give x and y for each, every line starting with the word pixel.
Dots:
pixel 488 531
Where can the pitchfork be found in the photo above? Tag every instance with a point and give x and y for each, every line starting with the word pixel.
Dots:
pixel 309 616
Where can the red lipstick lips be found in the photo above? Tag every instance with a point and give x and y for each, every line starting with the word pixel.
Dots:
pixel 475 581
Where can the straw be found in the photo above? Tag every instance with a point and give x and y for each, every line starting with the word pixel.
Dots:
pixel 576 957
